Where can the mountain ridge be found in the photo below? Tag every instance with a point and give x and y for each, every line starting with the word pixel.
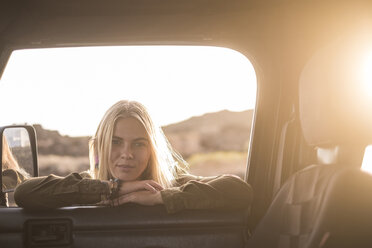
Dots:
pixel 218 131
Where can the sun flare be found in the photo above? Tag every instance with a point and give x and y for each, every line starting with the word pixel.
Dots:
pixel 367 160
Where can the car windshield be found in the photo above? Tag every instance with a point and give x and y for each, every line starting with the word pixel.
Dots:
pixel 203 97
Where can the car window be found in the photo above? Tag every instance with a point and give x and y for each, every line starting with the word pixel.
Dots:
pixel 203 97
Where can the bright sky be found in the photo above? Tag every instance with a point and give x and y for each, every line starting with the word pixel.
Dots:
pixel 69 89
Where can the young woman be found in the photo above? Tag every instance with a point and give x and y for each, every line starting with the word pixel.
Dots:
pixel 132 161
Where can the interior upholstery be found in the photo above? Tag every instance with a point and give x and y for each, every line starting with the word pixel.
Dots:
pixel 345 218
pixel 290 220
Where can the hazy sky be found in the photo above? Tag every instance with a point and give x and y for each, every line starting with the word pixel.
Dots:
pixel 69 89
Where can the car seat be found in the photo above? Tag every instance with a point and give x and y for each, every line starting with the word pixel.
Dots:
pixel 327 205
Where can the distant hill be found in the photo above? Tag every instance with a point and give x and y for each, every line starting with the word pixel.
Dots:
pixel 50 142
pixel 219 131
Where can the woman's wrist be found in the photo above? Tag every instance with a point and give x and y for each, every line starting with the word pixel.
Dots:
pixel 113 187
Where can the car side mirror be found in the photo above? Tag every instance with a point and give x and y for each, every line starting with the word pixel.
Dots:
pixel 18 158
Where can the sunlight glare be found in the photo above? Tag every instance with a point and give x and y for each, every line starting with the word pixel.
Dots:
pixel 367 160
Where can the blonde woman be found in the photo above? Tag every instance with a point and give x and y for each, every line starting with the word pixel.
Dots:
pixel 132 161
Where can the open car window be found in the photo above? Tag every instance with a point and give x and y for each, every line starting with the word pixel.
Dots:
pixel 203 97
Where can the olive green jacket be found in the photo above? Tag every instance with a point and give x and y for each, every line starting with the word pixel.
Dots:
pixel 189 192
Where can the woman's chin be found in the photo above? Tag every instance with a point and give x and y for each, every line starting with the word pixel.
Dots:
pixel 126 176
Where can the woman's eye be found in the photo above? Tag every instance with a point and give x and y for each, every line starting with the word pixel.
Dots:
pixel 139 144
pixel 116 142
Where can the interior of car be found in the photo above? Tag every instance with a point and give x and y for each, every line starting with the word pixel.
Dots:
pixel 311 124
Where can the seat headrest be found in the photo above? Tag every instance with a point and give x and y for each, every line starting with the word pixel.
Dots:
pixel 335 94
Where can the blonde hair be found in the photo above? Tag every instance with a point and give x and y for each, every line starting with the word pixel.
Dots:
pixel 164 165
pixel 9 162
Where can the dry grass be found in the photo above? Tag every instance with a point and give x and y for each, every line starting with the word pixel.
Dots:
pixel 217 163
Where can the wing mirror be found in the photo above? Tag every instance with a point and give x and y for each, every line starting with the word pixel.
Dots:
pixel 18 158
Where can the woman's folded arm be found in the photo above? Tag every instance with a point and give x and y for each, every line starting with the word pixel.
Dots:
pixel 53 191
pixel 191 192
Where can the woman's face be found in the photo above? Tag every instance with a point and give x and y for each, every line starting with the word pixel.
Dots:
pixel 130 152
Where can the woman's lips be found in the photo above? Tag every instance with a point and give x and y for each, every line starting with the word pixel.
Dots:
pixel 125 167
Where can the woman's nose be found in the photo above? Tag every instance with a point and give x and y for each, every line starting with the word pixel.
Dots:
pixel 126 152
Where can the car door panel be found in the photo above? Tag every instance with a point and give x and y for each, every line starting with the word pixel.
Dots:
pixel 128 226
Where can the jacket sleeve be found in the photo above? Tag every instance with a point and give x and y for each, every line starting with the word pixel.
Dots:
pixel 53 191
pixel 223 192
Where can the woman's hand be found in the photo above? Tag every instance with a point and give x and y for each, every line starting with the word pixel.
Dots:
pixel 144 185
pixel 145 192
pixel 143 197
